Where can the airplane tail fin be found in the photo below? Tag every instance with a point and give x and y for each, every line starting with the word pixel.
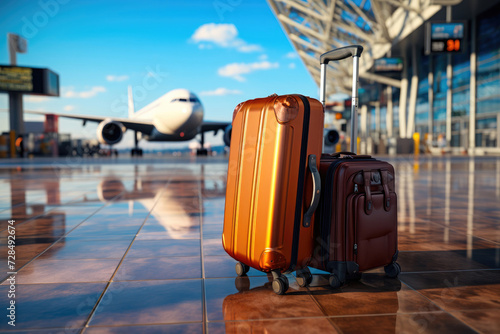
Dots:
pixel 131 110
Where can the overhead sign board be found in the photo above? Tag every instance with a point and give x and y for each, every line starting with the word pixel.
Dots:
pixel 29 80
pixel 388 65
pixel 444 37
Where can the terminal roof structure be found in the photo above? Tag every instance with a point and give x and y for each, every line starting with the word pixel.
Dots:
pixel 317 26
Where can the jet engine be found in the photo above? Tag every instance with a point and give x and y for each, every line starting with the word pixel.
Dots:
pixel 110 132
pixel 331 137
pixel 227 135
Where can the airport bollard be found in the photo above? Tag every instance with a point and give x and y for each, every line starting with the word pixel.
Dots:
pixel 13 152
pixel 416 139
pixel 3 146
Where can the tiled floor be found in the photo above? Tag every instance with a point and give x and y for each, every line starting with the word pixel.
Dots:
pixel 133 246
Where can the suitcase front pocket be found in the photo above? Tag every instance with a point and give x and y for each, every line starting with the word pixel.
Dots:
pixel 375 234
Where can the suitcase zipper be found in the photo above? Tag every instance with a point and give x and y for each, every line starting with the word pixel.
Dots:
pixel 300 189
pixel 350 215
pixel 326 212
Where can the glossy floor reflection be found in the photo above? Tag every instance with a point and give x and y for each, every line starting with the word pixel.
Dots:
pixel 134 246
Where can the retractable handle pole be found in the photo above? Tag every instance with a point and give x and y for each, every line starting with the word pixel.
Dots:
pixel 354 105
pixel 353 51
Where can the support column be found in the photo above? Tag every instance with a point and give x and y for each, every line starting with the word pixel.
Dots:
pixel 403 96
pixel 413 93
pixel 430 93
pixel 16 116
pixel 362 127
pixel 16 113
pixel 389 119
pixel 449 88
pixel 473 88
pixel 449 99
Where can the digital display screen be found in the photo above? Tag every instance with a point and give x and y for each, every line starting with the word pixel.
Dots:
pixel 29 80
pixel 16 79
pixel 52 83
pixel 447 30
pixel 388 65
pixel 445 37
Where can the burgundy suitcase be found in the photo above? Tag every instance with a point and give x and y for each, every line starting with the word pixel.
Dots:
pixel 356 228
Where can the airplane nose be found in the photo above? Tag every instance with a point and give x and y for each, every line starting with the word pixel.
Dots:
pixel 193 116
pixel 198 110
pixel 193 110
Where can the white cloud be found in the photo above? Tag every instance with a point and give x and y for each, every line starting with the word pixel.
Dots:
pixel 292 55
pixel 249 48
pixel 220 34
pixel 36 98
pixel 69 108
pixel 221 92
pixel 116 78
pixel 223 35
pixel 235 70
pixel 205 46
pixel 292 66
pixel 70 92
pixel 263 57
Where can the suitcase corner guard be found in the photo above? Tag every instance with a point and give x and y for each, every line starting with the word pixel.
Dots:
pixel 272 259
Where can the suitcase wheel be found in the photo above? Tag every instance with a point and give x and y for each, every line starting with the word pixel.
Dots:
pixel 304 277
pixel 280 285
pixel 334 281
pixel 241 269
pixel 392 270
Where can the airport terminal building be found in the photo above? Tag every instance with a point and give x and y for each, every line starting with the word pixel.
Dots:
pixel 429 67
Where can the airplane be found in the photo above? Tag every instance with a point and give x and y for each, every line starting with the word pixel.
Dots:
pixel 175 116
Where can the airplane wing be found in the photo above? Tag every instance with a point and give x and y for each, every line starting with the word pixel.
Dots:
pixel 135 125
pixel 214 126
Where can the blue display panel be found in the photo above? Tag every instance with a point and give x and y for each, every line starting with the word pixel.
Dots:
pixel 388 65
pixel 445 37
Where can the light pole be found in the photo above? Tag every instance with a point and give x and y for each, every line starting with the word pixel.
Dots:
pixel 16 44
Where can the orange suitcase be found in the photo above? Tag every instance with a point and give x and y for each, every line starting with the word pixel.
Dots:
pixel 273 186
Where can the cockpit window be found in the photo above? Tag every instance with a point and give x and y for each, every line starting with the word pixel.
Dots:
pixel 191 99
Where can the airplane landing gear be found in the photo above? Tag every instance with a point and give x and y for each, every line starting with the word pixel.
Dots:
pixel 202 151
pixel 136 151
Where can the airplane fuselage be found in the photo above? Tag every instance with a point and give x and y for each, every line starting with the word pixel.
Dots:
pixel 176 116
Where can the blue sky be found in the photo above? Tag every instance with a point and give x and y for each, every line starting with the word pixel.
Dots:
pixel 226 51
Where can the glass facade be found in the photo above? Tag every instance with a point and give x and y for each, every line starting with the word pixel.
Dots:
pixel 439 87
pixel 422 109
pixel 488 79
pixel 461 85
pixel 487 83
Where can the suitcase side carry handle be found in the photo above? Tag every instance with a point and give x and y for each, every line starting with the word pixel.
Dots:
pixel 316 191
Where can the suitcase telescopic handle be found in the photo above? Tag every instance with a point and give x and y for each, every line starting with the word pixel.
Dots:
pixel 316 191
pixel 341 53
pixel 353 51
